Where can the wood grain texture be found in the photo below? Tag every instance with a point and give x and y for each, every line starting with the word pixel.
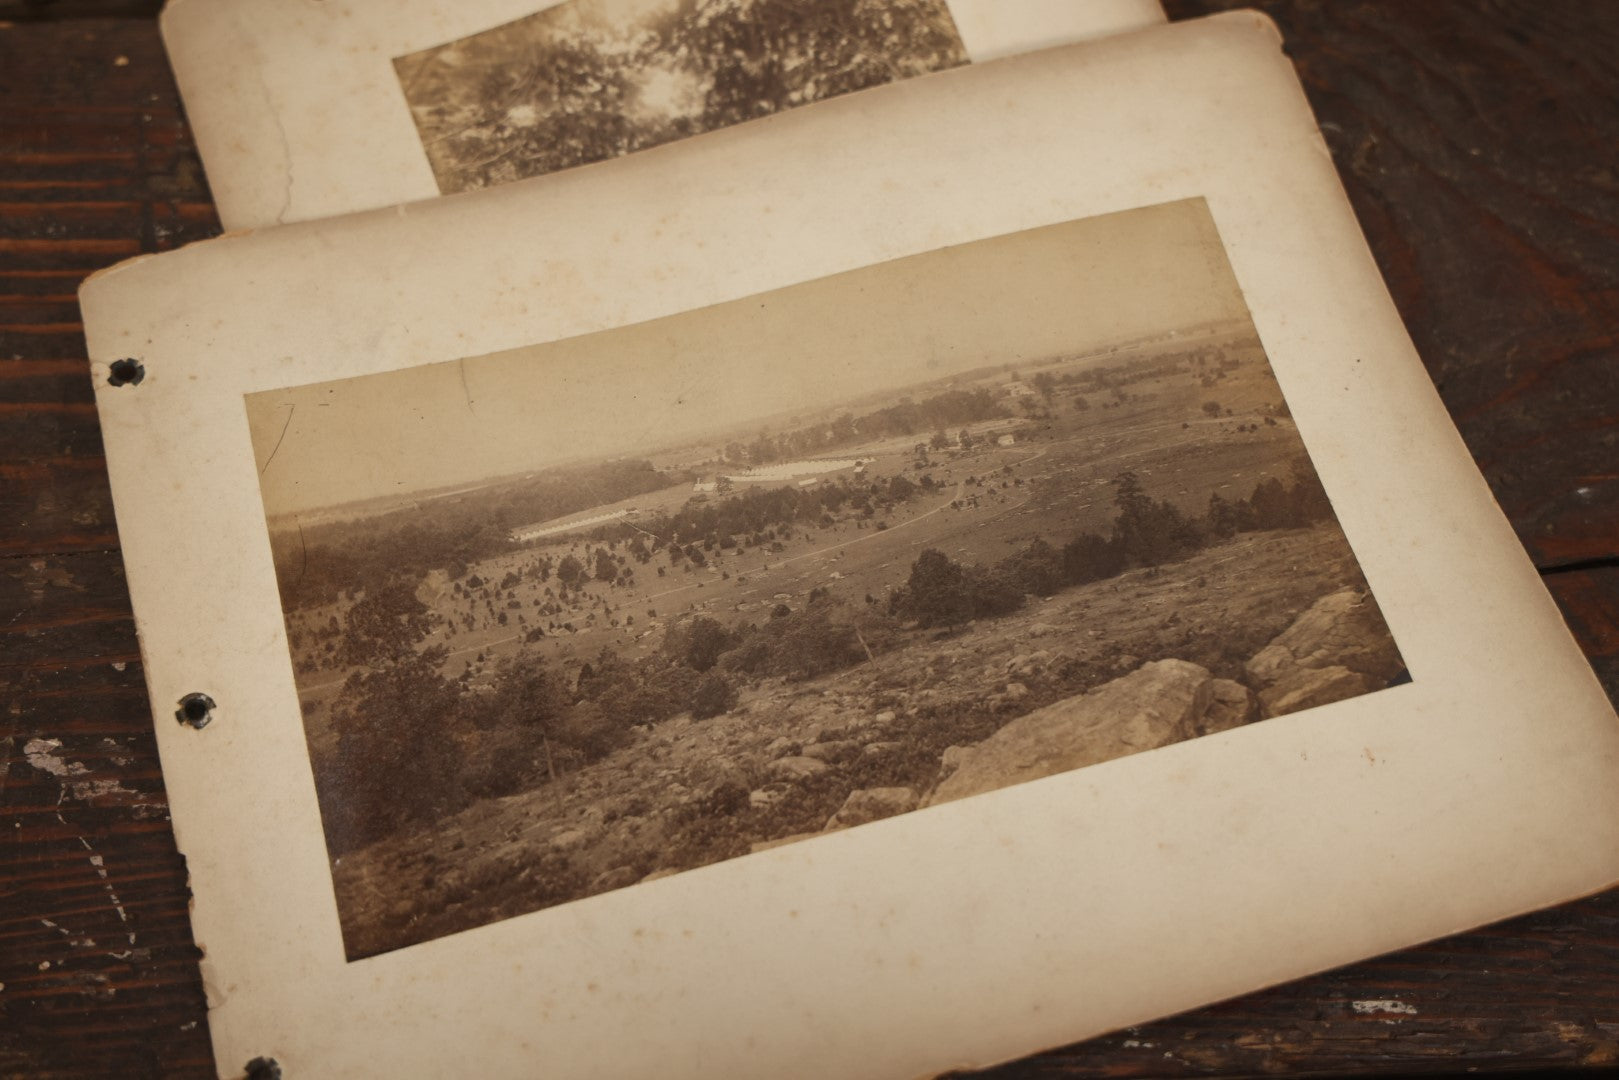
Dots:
pixel 1477 143
pixel 98 968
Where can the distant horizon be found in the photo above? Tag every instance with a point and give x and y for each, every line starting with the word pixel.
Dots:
pixel 1079 289
pixel 760 424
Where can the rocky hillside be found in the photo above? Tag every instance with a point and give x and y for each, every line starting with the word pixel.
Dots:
pixel 1263 625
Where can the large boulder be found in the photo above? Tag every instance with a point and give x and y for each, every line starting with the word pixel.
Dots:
pixel 617 878
pixel 952 758
pixel 872 804
pixel 1339 648
pixel 1232 705
pixel 1344 629
pixel 1162 702
pixel 1268 664
pixel 1307 687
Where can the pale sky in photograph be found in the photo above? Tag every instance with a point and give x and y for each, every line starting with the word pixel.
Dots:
pixel 1061 290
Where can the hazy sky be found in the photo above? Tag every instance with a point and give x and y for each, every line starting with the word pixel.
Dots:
pixel 1065 288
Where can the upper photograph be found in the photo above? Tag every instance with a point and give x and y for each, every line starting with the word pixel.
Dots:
pixel 586 614
pixel 590 80
pixel 305 111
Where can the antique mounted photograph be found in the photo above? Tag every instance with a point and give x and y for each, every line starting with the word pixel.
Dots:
pixel 589 80
pixel 582 615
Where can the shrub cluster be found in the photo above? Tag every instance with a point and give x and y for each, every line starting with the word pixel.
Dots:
pixel 1146 532
pixel 942 592
pixel 823 636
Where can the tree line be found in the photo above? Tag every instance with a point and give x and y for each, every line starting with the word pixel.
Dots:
pixel 1145 532
pixel 949 409
pixel 575 84
pixel 319 564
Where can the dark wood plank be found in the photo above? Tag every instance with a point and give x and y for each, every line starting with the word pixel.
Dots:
pixel 97 963
pixel 1477 143
pixel 41 10
pixel 1531 992
pixel 96 957
pixel 1540 991
pixel 1590 603
pixel 96 165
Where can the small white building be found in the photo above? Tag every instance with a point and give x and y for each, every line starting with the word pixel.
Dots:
pixel 705 486
pixel 1006 440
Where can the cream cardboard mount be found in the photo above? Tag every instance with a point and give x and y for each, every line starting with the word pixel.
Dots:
pixel 965 933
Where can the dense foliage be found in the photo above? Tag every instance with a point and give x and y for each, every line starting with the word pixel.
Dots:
pixel 577 83
pixel 754 516
pixel 1146 532
pixel 926 417
pixel 320 563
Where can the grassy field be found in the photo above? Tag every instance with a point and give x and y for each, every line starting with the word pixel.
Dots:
pixel 984 502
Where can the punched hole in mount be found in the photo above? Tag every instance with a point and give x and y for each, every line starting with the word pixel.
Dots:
pixel 195 710
pixel 125 373
pixel 262 1068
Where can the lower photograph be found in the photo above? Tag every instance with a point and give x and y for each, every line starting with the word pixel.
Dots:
pixel 578 616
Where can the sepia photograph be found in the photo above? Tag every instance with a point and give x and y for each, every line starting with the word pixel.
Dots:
pixel 589 80
pixel 582 615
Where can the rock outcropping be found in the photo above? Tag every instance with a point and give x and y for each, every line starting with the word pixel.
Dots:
pixel 871 804
pixel 1339 648
pixel 1159 703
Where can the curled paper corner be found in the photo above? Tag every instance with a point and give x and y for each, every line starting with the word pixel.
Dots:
pixel 1254 19
pixel 98 279
pixel 116 268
